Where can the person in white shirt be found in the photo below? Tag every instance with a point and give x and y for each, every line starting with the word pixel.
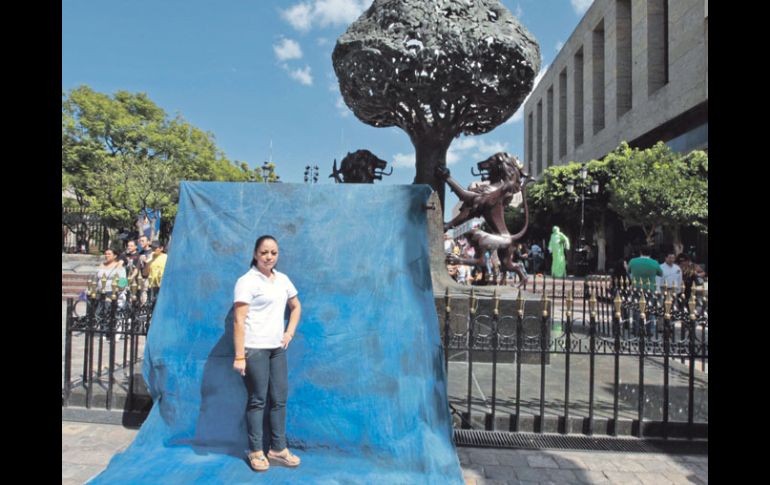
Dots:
pixel 261 297
pixel 672 273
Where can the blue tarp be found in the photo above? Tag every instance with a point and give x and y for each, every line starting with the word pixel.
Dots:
pixel 367 386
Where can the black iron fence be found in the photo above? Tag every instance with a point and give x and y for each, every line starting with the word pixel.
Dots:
pixel 105 335
pixel 645 352
pixel 83 232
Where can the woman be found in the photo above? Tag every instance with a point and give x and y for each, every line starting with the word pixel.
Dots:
pixel 110 268
pixel 692 274
pixel 261 296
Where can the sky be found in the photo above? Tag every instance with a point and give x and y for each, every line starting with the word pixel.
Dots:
pixel 256 73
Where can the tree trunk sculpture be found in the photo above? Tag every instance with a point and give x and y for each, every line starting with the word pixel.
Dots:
pixel 436 69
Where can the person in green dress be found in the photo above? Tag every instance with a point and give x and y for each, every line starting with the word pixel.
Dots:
pixel 559 242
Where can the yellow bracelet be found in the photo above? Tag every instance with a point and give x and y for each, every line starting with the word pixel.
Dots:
pixel 240 358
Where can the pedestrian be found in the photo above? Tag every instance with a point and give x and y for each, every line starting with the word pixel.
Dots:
pixel 520 257
pixel 154 267
pixel 105 276
pixel 260 341
pixel 643 271
pixel 672 273
pixel 536 257
pixel 692 274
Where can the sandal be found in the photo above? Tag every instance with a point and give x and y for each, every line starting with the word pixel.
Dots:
pixel 285 458
pixel 258 461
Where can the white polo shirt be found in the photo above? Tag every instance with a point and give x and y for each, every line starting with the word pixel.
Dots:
pixel 267 304
pixel 671 274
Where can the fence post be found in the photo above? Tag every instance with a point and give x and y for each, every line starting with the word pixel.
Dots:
pixel 592 363
pixel 666 351
pixel 568 349
pixel 111 333
pixel 618 302
pixel 68 353
pixel 519 324
pixel 471 322
pixel 544 346
pixel 642 334
pixel 490 424
pixel 691 383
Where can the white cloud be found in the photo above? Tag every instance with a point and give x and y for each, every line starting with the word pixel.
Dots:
pixel 404 160
pixel 342 108
pixel 559 45
pixel 287 49
pixel 487 149
pixel 299 16
pixel 322 41
pixel 302 75
pixel 324 13
pixel 519 12
pixel 580 6
pixel 519 114
pixel 465 143
pixel 467 149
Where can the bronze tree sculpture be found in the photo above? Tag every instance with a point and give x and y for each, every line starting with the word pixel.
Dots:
pixel 435 69
pixel 506 176
pixel 361 166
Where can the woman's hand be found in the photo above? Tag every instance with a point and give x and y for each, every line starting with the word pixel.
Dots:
pixel 286 339
pixel 239 365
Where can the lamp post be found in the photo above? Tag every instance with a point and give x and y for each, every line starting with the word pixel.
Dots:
pixel 594 189
pixel 265 172
pixel 311 174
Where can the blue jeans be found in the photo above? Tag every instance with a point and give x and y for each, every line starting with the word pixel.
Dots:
pixel 266 371
pixel 650 326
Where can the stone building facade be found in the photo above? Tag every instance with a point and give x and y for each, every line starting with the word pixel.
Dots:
pixel 633 70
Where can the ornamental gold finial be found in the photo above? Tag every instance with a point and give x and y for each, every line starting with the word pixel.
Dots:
pixel 642 305
pixel 592 303
pixel 569 305
pixel 618 305
pixel 691 305
pixel 667 306
pixel 448 307
pixel 520 304
pixel 473 301
pixel 104 283
pixel 497 302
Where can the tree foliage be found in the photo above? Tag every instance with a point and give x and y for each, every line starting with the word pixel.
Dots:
pixel 122 154
pixel 651 189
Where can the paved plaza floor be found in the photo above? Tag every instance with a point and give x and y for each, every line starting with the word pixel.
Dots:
pixel 87 449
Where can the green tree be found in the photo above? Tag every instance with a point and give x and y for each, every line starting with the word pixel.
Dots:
pixel 658 188
pixel 122 154
pixel 653 188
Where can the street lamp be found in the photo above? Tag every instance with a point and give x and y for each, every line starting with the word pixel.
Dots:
pixel 594 188
pixel 265 172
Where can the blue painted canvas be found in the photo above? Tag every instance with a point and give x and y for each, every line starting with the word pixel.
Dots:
pixel 367 386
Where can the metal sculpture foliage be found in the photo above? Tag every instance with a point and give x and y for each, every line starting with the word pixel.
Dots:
pixel 436 69
pixel 361 166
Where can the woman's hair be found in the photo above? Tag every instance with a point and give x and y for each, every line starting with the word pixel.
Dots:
pixel 259 242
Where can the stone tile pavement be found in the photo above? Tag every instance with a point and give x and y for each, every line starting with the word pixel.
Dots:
pixel 87 449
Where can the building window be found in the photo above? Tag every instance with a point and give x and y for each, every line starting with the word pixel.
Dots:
pixel 578 79
pixel 549 142
pixel 540 137
pixel 657 45
pixel 623 65
pixel 563 114
pixel 598 77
